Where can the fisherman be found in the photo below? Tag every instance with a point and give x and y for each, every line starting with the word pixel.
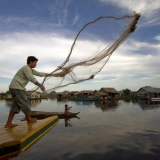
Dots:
pixel 17 90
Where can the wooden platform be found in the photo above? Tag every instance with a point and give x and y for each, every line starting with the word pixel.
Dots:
pixel 17 139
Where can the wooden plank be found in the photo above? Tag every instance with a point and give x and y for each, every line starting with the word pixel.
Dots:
pixel 17 139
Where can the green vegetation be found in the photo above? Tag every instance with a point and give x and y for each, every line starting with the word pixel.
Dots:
pixel 4 94
pixel 146 87
pixel 126 92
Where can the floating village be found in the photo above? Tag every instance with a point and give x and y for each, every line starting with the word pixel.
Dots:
pixel 144 93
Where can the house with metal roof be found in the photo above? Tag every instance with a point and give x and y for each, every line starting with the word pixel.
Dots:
pixel 148 92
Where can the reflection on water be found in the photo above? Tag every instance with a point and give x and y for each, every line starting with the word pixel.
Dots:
pixel 147 105
pixel 35 102
pixel 107 105
pixel 32 102
pixel 9 103
pixel 106 130
pixel 67 122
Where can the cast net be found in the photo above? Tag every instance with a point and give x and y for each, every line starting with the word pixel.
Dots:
pixel 91 50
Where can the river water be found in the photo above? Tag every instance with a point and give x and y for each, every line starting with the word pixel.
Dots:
pixel 112 130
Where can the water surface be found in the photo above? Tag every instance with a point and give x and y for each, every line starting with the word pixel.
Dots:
pixel 113 130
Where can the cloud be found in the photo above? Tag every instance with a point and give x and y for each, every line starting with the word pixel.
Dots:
pixel 134 63
pixel 40 19
pixel 125 65
pixel 157 38
pixel 149 9
pixel 136 47
pixel 75 19
pixel 10 20
pixel 22 24
pixel 50 50
pixel 59 12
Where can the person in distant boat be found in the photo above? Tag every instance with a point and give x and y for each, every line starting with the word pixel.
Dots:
pixel 17 90
pixel 67 109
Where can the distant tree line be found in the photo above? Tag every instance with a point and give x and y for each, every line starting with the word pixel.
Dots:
pixel 127 91
pixel 4 93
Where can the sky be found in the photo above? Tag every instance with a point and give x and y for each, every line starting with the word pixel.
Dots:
pixel 46 29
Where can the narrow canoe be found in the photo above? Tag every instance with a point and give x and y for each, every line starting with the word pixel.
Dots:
pixel 42 114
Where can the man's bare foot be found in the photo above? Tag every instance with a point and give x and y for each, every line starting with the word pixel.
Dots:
pixel 32 120
pixel 10 125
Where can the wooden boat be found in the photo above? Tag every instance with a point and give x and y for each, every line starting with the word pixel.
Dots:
pixel 15 140
pixel 85 99
pixel 42 115
pixel 154 99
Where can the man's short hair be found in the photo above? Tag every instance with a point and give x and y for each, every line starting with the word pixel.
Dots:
pixel 32 59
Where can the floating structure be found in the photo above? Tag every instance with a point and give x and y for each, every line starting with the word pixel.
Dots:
pixel 147 93
pixel 15 140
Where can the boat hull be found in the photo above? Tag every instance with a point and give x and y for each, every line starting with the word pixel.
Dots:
pixel 154 99
pixel 42 114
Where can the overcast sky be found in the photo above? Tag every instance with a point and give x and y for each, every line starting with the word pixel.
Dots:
pixel 46 29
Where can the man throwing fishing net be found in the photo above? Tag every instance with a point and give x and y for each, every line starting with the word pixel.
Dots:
pixel 17 89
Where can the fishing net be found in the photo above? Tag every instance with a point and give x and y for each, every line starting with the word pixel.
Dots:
pixel 91 50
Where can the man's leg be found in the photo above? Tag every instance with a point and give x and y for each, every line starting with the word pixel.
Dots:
pixel 15 109
pixel 9 121
pixel 29 118
pixel 24 104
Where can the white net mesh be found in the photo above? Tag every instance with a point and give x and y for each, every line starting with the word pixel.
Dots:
pixel 91 50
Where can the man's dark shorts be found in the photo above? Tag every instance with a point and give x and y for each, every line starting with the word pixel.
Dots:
pixel 20 101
